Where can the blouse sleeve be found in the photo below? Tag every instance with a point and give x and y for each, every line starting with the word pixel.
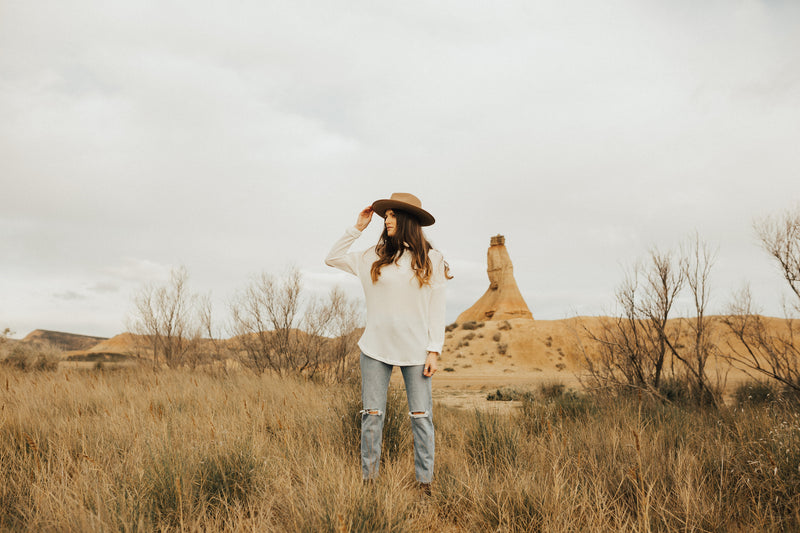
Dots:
pixel 436 310
pixel 340 258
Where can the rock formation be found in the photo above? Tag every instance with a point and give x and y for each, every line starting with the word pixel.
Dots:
pixel 502 300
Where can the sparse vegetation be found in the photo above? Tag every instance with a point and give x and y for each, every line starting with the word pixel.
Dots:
pixel 502 348
pixel 755 393
pixel 507 394
pixel 28 356
pixel 472 325
pixel 552 390
pixel 137 450
pixel 496 337
pixel 451 327
pixel 504 325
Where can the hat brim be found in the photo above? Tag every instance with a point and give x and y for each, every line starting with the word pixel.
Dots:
pixel 381 206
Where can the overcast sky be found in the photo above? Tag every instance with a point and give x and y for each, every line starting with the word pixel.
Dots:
pixel 241 137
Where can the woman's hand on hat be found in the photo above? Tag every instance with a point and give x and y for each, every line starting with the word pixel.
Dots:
pixel 364 218
pixel 431 364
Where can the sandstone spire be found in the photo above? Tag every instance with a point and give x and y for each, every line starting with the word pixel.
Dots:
pixel 502 299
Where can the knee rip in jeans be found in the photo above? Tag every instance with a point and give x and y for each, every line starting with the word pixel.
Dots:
pixel 374 412
pixel 418 414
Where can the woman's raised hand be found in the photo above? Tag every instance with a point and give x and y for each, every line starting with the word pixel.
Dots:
pixel 364 217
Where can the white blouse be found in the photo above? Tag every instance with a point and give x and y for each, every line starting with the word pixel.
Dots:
pixel 404 321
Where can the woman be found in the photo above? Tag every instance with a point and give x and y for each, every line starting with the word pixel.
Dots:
pixel 404 285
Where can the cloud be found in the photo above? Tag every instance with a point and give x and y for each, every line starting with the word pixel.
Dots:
pixel 139 270
pixel 69 295
pixel 103 287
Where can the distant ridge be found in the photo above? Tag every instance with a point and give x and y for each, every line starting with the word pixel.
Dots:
pixel 65 341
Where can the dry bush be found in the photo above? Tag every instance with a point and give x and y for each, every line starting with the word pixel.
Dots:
pixel 637 348
pixel 265 317
pixel 769 352
pixel 772 353
pixel 29 356
pixel 633 347
pixel 696 263
pixel 755 392
pixel 278 330
pixel 165 320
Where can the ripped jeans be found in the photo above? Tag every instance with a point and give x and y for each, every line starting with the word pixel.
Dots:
pixel 374 386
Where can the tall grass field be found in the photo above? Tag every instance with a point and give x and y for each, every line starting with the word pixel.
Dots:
pixel 134 450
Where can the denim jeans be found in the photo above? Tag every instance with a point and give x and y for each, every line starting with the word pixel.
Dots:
pixel 374 386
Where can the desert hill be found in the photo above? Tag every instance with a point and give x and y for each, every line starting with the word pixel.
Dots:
pixel 123 343
pixel 62 340
pixel 525 351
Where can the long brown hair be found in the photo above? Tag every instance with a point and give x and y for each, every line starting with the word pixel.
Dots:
pixel 408 235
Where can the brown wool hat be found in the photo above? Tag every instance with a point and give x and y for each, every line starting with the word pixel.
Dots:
pixel 404 201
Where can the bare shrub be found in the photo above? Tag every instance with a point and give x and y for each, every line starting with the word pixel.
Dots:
pixel 164 318
pixel 633 346
pixel 216 348
pixel 472 325
pixel 780 238
pixel 277 330
pixel 265 316
pixel 696 264
pixel 338 319
pixel 773 353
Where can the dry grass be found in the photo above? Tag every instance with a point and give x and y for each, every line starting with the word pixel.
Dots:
pixel 135 450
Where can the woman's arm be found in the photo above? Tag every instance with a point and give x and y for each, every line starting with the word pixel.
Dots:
pixel 436 309
pixel 339 257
